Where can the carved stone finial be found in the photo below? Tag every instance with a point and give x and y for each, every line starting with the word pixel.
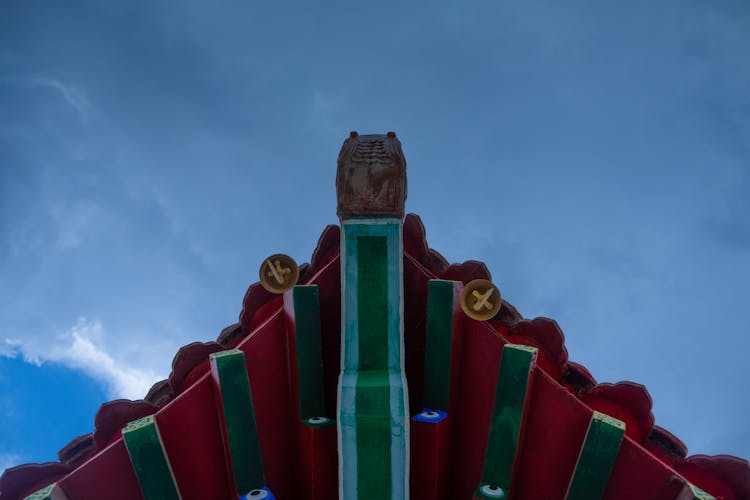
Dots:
pixel 371 177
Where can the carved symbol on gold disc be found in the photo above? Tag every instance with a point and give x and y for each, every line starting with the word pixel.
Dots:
pixel 279 273
pixel 480 300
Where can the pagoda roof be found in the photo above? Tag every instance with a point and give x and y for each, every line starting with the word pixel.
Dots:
pixel 651 463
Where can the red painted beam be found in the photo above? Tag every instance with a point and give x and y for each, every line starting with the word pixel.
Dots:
pixel 430 454
pixel 318 461
pixel 107 475
pixel 191 433
pixel 480 360
pixel 637 474
pixel 556 425
pixel 266 353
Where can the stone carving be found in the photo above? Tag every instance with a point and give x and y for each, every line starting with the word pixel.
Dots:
pixel 371 176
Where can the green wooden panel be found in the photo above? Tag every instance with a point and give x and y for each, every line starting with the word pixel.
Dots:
pixel 514 378
pixel 373 388
pixel 149 460
pixel 373 435
pixel 438 344
pixel 373 415
pixel 229 371
pixel 372 302
pixel 309 351
pixel 699 494
pixel 597 458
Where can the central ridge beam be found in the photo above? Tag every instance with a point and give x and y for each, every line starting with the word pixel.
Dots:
pixel 373 422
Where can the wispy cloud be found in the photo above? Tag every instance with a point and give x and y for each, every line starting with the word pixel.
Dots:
pixel 77 349
pixel 73 95
pixel 8 349
pixel 73 221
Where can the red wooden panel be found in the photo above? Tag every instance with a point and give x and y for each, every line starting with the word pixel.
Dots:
pixel 480 360
pixel 626 401
pixel 724 476
pixel 108 475
pixel 290 332
pixel 191 433
pixel 328 280
pixel 319 462
pixel 556 424
pixel 266 352
pixel 415 314
pixel 431 443
pixel 637 474
pixel 317 455
pixel 429 474
pixel 23 480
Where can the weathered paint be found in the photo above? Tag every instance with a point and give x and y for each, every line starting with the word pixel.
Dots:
pixel 513 383
pixel 598 453
pixel 442 304
pixel 229 372
pixel 149 460
pixel 373 413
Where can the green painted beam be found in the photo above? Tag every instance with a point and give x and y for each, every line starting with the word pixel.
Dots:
pixel 149 460
pixel 373 388
pixel 597 458
pixel 513 383
pixel 373 414
pixel 698 494
pixel 442 304
pixel 372 302
pixel 373 435
pixel 306 310
pixel 51 492
pixel 239 431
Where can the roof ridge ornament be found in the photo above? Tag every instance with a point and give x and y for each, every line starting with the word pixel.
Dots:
pixel 371 176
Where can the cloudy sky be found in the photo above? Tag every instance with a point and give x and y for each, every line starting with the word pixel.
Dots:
pixel 596 155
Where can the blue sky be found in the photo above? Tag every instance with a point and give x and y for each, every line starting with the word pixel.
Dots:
pixel 596 155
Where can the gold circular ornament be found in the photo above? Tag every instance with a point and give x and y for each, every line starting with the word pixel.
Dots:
pixel 480 300
pixel 279 273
